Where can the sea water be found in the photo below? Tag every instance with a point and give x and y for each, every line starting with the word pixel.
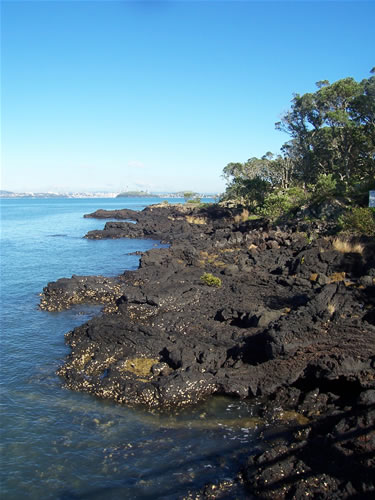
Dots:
pixel 60 444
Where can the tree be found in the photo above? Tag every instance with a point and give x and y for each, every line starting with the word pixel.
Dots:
pixel 188 195
pixel 333 131
pixel 269 171
pixel 250 192
pixel 332 143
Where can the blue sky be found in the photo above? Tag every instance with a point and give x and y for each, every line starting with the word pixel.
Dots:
pixel 112 95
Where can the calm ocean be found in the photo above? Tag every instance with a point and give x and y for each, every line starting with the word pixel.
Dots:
pixel 58 444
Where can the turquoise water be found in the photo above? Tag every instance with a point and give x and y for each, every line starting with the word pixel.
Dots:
pixel 58 444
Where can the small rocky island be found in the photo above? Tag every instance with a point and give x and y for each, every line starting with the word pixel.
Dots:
pixel 283 315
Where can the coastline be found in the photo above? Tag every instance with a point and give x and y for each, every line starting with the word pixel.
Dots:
pixel 291 326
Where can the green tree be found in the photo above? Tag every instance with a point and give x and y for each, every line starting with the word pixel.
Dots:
pixel 189 195
pixel 253 167
pixel 249 182
pixel 333 131
pixel 331 150
pixel 249 192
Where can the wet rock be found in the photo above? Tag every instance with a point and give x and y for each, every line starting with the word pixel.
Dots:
pixel 66 292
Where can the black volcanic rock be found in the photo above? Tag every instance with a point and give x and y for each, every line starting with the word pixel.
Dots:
pixel 161 222
pixel 66 292
pixel 291 325
pixel 124 213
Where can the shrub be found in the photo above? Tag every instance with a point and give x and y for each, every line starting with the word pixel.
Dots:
pixel 188 195
pixel 205 204
pixel 297 196
pixel 325 187
pixel 359 220
pixel 358 192
pixel 275 204
pixel 249 192
pixel 211 280
pixel 281 202
pixel 194 201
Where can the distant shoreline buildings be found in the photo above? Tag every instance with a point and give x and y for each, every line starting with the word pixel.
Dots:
pixel 130 194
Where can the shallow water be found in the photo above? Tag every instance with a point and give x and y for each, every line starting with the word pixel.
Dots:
pixel 59 444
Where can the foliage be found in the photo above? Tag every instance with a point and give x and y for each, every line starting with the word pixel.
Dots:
pixel 283 201
pixel 194 201
pixel 250 192
pixel 134 194
pixel 359 220
pixel 211 280
pixel 325 187
pixel 333 130
pixel 189 195
pixel 331 153
pixel 358 192
pixel 270 169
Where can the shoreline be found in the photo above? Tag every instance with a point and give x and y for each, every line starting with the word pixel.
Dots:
pixel 291 324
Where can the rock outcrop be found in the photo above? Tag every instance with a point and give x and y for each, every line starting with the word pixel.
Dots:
pixel 290 323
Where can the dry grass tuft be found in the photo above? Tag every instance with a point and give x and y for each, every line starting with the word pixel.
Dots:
pixel 336 277
pixel 345 246
pixel 191 219
pixel 218 263
pixel 242 217
pixel 331 308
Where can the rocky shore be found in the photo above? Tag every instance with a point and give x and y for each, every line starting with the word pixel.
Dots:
pixel 283 315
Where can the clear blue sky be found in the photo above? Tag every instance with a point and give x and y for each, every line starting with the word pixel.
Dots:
pixel 111 95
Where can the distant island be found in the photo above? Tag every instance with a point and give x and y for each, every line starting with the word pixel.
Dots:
pixel 187 195
pixel 137 194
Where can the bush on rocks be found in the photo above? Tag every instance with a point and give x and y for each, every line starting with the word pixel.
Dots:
pixel 211 280
pixel 359 220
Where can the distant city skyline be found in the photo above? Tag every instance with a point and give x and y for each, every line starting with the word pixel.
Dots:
pixel 160 96
pixel 103 194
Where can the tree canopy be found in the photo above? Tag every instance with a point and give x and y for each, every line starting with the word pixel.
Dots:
pixel 332 133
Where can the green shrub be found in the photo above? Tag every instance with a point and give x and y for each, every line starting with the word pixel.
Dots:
pixel 275 204
pixel 359 192
pixel 297 196
pixel 211 280
pixel 248 192
pixel 194 201
pixel 281 202
pixel 325 187
pixel 359 220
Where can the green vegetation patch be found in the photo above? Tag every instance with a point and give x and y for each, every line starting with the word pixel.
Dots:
pixel 326 167
pixel 359 220
pixel 211 280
